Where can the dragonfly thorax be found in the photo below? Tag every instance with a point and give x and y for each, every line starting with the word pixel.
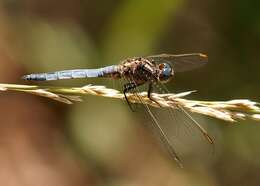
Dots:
pixel 165 72
pixel 142 70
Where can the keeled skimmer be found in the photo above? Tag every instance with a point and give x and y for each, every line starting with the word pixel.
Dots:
pixel 151 70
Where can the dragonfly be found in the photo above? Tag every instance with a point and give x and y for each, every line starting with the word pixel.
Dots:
pixel 151 70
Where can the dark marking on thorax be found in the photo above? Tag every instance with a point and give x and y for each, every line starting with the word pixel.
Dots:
pixel 138 70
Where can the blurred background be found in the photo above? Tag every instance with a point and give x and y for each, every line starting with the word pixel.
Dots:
pixel 100 141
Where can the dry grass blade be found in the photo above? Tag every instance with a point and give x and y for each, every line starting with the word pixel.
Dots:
pixel 231 111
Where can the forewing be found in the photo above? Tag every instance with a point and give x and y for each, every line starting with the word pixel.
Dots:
pixel 181 62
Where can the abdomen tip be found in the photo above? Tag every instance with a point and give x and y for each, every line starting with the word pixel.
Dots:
pixel 26 77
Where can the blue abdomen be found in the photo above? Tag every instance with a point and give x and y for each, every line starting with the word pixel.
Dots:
pixel 72 74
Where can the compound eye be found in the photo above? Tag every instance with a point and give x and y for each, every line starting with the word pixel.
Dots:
pixel 166 71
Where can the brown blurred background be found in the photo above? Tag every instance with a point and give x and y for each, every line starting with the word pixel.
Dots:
pixel 100 141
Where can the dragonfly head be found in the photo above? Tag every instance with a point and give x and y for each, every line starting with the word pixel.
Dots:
pixel 165 72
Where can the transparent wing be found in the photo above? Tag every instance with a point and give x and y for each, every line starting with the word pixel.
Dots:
pixel 162 89
pixel 181 62
pixel 157 130
pixel 182 133
pixel 161 133
pixel 185 131
pixel 177 130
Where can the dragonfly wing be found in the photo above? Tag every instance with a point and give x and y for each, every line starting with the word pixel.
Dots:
pixel 183 133
pixel 181 62
pixel 160 132
pixel 154 125
pixel 181 126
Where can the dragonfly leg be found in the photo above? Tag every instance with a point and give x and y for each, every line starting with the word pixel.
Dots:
pixel 127 88
pixel 150 89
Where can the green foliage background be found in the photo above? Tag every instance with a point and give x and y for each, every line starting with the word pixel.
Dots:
pixel 99 141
